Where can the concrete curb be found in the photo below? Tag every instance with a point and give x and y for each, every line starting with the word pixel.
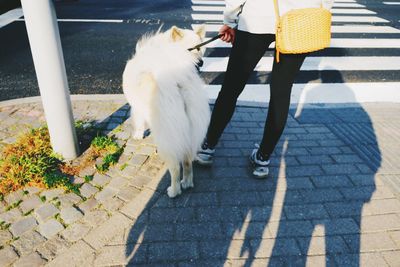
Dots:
pixel 121 97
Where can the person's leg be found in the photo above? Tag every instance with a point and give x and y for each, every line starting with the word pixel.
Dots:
pixel 246 52
pixel 282 79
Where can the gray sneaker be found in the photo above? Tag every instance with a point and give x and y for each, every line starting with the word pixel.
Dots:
pixel 260 167
pixel 205 155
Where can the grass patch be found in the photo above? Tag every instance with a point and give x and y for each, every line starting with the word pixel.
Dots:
pixel 30 161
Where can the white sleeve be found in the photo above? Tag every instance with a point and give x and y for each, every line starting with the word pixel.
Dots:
pixel 232 11
pixel 327 4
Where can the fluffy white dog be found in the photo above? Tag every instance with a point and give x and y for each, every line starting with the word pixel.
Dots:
pixel 166 93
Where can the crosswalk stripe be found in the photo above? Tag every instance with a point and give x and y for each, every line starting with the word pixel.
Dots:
pixel 333 10
pixel 367 19
pixel 322 93
pixel 336 43
pixel 334 29
pixel 10 16
pixel 359 74
pixel 315 63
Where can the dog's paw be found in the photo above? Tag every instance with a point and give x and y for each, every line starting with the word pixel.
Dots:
pixel 187 184
pixel 173 192
pixel 137 135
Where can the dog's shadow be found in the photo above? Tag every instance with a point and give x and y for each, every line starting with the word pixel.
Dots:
pixel 224 217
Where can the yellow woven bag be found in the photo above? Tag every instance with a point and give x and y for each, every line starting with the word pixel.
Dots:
pixel 302 30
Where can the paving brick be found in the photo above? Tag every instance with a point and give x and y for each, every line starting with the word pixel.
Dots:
pixel 28 242
pixel 387 222
pixel 10 216
pixel 335 169
pixel 100 179
pixel 95 218
pixel 217 214
pixel 53 247
pixel 198 231
pixel 324 181
pixel 392 257
pixel 70 215
pixel 88 205
pixel 23 226
pixel 128 193
pixel 45 212
pixel 361 193
pixel 7 256
pixel 302 171
pixel 68 200
pixel 370 242
pixel 279 247
pixel 340 226
pixel 14 197
pixel 87 190
pixel 240 199
pixel 5 236
pixel 344 209
pixel 31 260
pixel 30 203
pixel 50 228
pixel 113 204
pixel 305 212
pixel 321 195
pixel 381 206
pixel 347 159
pixel 324 150
pixel 106 194
pixel 309 160
pixel 214 250
pixel 290 228
pixel 117 255
pixel 118 182
pixel 75 232
pixel 171 215
pixel 52 193
pixel 173 251
pixel 362 179
pixel 320 245
pixel 77 255
pixel 362 259
pixel 99 236
pixel 137 206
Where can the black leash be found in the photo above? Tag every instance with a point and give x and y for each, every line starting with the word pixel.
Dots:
pixel 206 42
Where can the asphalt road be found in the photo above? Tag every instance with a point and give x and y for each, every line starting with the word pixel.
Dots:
pixel 95 53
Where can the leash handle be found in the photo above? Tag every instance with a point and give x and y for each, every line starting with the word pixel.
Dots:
pixel 206 42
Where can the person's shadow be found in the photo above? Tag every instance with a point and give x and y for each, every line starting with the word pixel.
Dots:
pixel 338 164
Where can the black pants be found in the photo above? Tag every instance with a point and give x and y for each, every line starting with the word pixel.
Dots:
pixel 247 50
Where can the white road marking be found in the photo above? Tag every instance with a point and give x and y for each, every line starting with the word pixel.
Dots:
pixel 333 10
pixel 335 29
pixel 220 17
pixel 219 64
pixel 10 16
pixel 88 20
pixel 336 43
pixel 392 3
pixel 313 93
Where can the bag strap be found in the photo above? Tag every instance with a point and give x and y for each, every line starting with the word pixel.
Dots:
pixel 276 9
pixel 277 22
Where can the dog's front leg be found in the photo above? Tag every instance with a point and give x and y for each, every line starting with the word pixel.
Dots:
pixel 187 180
pixel 175 188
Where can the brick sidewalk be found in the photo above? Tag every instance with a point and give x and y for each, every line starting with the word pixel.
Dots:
pixel 332 196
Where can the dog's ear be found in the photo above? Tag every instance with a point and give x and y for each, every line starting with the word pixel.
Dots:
pixel 176 34
pixel 200 31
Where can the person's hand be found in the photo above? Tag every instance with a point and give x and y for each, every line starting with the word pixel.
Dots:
pixel 228 34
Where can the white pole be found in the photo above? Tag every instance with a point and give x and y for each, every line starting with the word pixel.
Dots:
pixel 44 39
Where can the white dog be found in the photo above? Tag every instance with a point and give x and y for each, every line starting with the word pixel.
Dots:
pixel 166 93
